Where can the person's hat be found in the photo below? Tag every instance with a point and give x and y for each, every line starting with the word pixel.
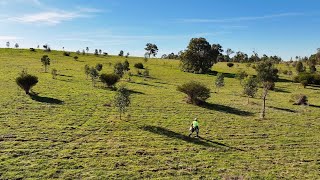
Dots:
pixel 195 119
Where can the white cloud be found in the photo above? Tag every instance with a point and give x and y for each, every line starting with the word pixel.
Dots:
pixel 7 38
pixel 238 19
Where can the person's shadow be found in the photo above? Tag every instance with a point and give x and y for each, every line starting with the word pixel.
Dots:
pixel 199 141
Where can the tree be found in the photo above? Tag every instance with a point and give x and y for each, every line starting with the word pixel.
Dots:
pixel 8 44
pixel 45 62
pixel 267 75
pixel 87 70
pixel 16 45
pixel 229 52
pixel 100 51
pixel 83 52
pixel 109 79
pixel 151 49
pixel 119 69
pixel 54 73
pixel 87 49
pixel 126 65
pixel 199 56
pixel 122 100
pixel 241 76
pixel 250 87
pixel 128 54
pixel 96 52
pixel 99 67
pixel 300 68
pixel 219 81
pixel 313 69
pixel 26 81
pixel 94 75
pixel 121 53
pixel 197 93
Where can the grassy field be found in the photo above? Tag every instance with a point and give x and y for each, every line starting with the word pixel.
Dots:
pixel 68 132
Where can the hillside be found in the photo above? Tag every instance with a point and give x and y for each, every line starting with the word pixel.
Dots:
pixel 70 132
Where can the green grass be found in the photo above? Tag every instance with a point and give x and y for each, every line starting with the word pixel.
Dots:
pixel 81 138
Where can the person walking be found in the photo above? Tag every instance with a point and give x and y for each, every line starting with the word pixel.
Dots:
pixel 194 127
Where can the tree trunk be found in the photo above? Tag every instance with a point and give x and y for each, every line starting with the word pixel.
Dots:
pixel 248 100
pixel 263 110
pixel 120 115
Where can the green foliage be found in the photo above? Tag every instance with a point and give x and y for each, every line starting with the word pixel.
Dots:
pixel 196 92
pixel 126 65
pixel 119 69
pixel 266 72
pixel 199 56
pixel 250 87
pixel 151 49
pixel 76 58
pixel 94 74
pixel 121 53
pixel 122 100
pixel 139 66
pixel 99 67
pixel 26 81
pixel 54 73
pixel 45 62
pixel 219 81
pixel 109 79
pixel 300 68
pixel 241 76
pixel 313 69
pixel 310 78
pixel 87 70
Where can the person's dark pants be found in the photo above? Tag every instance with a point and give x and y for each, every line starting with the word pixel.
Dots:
pixel 195 129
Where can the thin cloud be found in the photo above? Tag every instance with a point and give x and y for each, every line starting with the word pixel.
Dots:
pixel 8 38
pixel 54 17
pixel 238 19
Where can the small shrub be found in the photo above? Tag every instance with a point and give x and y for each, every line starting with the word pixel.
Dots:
pixel 99 67
pixel 26 81
pixel 219 81
pixel 105 54
pixel 196 92
pixel 126 65
pixel 109 79
pixel 299 99
pixel 32 50
pixel 66 53
pixel 230 64
pixel 54 73
pixel 119 69
pixel 75 58
pixel 139 66
pixel 285 72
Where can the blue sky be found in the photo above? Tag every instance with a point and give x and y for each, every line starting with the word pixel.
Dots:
pixel 274 27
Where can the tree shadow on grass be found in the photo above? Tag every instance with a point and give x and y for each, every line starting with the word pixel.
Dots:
pixel 283 109
pixel 283 80
pixel 174 135
pixel 135 92
pixel 281 90
pixel 225 109
pixel 48 100
pixel 316 106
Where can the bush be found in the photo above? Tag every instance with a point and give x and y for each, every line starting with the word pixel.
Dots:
pixel 299 99
pixel 139 66
pixel 230 64
pixel 196 92
pixel 32 50
pixel 118 69
pixel 309 77
pixel 76 58
pixel 26 81
pixel 99 67
pixel 109 79
pixel 126 65
pixel 66 53
pixel 304 83
pixel 285 72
